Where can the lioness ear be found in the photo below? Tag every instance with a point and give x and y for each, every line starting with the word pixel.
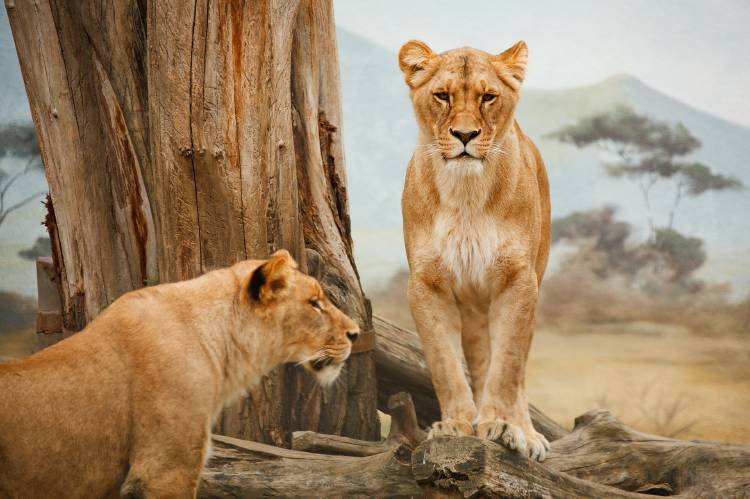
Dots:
pixel 413 59
pixel 511 64
pixel 270 279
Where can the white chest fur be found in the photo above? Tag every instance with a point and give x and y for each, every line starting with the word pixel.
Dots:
pixel 467 244
pixel 466 236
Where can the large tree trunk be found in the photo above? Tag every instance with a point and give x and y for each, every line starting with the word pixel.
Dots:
pixel 181 136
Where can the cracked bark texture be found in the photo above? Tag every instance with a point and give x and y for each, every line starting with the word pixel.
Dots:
pixel 182 136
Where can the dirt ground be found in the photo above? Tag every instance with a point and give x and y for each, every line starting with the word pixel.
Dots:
pixel 659 379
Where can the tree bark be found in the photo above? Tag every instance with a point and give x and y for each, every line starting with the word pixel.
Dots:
pixel 401 367
pixel 183 136
pixel 242 469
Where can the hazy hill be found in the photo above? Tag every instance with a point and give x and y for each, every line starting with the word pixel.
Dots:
pixel 380 133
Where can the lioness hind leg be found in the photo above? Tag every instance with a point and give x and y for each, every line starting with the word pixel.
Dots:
pixel 162 484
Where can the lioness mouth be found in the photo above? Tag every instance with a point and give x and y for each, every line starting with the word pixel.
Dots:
pixel 321 363
pixel 465 155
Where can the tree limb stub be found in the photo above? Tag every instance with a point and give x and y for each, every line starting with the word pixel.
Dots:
pixel 404 431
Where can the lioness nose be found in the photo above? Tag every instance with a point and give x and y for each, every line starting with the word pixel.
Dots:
pixel 352 335
pixel 464 135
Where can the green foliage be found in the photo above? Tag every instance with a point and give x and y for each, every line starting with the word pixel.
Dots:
pixel 40 248
pixel 699 179
pixel 666 262
pixel 609 234
pixel 685 254
pixel 624 132
pixel 19 141
pixel 647 151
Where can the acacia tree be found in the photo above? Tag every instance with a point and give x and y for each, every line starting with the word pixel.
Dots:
pixel 17 142
pixel 648 151
pixel 182 136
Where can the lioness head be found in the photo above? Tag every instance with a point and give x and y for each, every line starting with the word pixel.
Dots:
pixel 463 98
pixel 314 332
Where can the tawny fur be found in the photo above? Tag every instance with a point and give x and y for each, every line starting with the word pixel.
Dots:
pixel 477 233
pixel 127 404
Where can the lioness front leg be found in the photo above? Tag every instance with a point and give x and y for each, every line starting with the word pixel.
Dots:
pixel 167 468
pixel 439 326
pixel 504 409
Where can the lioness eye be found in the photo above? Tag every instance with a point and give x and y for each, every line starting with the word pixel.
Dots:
pixel 442 96
pixel 316 303
pixel 488 97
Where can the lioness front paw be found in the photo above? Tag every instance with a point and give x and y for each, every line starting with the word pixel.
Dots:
pixel 528 443
pixel 450 427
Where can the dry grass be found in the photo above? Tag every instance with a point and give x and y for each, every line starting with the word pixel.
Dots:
pixel 600 343
pixel 577 297
pixel 658 411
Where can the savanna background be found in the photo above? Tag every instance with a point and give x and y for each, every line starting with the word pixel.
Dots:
pixel 640 112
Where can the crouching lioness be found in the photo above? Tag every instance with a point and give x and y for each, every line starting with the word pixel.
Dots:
pixel 126 406
pixel 477 229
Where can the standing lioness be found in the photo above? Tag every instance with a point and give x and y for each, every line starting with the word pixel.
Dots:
pixel 477 230
pixel 128 403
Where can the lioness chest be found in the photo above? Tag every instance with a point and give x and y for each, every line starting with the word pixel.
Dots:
pixel 468 244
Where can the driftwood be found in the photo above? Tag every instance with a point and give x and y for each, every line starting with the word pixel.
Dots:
pixel 247 469
pixel 602 449
pixel 404 431
pixel 400 367
pixel 240 468
pixel 600 458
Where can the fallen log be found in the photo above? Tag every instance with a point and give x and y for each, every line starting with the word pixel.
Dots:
pixel 600 458
pixel 400 367
pixel 471 467
pixel 602 449
pixel 243 469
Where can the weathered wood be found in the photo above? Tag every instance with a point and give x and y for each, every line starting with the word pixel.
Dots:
pixel 600 458
pixel 603 450
pixel 249 470
pixel 470 467
pixel 405 431
pixel 182 136
pixel 401 367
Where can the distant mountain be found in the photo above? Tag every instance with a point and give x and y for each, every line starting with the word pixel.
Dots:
pixel 380 133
